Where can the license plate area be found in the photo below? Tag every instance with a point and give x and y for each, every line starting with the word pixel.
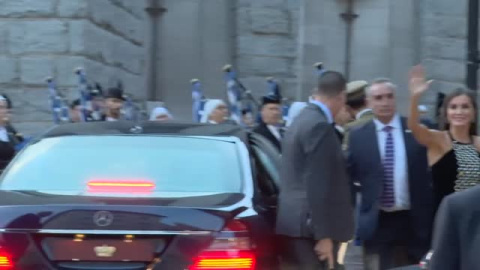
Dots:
pixel 102 249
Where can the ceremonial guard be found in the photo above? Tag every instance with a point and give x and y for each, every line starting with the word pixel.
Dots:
pixel 271 114
pixel 248 121
pixel 239 97
pixel 114 101
pixel 97 102
pixel 357 107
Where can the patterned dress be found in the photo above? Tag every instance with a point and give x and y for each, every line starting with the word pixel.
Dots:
pixel 457 170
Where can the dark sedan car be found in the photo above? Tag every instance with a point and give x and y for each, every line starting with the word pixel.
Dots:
pixel 121 195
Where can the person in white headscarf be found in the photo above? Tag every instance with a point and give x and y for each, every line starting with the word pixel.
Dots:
pixel 215 111
pixel 294 111
pixel 160 114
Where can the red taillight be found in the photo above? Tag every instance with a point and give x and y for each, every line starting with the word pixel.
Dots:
pixel 5 260
pixel 120 186
pixel 224 260
pixel 235 226
pixel 232 249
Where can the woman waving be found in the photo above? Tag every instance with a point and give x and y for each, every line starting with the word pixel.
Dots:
pixel 453 151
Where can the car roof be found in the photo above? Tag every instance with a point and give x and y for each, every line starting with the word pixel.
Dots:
pixel 145 128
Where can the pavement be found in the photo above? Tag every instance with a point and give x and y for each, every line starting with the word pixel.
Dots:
pixel 352 258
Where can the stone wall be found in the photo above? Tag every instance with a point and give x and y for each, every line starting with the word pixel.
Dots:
pixel 388 38
pixel 195 40
pixel 266 44
pixel 261 38
pixel 444 44
pixel 384 41
pixel 53 37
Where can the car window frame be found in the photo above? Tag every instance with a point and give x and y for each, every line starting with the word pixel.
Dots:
pixel 257 142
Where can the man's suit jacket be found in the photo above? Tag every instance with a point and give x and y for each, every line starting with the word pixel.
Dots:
pixel 456 239
pixel 339 131
pixel 263 130
pixel 365 166
pixel 362 120
pixel 314 200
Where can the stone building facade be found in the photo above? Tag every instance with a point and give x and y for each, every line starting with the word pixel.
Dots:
pixel 41 38
pixel 444 43
pixel 156 56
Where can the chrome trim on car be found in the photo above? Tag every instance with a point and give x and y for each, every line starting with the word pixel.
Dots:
pixel 111 232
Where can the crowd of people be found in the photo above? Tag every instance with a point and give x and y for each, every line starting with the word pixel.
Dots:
pixel 109 107
pixel 380 179
pixel 353 169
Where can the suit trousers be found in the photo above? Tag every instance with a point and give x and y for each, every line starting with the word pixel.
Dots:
pixel 299 254
pixel 393 244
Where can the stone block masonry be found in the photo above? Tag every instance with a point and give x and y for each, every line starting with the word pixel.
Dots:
pixel 37 37
pixel 444 45
pixel 266 44
pixel 280 38
pixel 53 37
pixel 27 8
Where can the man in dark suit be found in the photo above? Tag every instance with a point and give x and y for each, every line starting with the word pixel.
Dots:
pixel 394 217
pixel 271 113
pixel 314 211
pixel 457 229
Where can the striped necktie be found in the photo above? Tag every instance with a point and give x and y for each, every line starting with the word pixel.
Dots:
pixel 388 194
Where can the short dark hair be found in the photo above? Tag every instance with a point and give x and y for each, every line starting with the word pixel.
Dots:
pixel 331 83
pixel 75 103
pixel 8 100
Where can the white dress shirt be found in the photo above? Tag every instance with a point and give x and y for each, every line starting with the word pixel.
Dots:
pixel 275 131
pixel 340 129
pixel 400 175
pixel 3 134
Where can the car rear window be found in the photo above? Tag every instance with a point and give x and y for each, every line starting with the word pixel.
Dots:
pixel 155 166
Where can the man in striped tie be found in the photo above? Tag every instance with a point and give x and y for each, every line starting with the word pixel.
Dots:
pixel 395 214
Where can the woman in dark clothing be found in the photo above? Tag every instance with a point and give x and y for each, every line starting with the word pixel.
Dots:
pixel 8 135
pixel 454 150
pixel 17 138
